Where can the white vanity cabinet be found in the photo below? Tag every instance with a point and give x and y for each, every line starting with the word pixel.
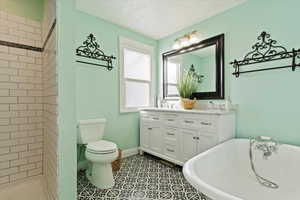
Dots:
pixel 179 135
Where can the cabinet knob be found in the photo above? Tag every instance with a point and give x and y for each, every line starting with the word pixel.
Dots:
pixel 170 133
pixel 149 128
pixel 206 123
pixel 188 121
pixel 170 150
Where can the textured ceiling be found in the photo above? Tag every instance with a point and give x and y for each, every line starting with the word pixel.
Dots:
pixel 155 18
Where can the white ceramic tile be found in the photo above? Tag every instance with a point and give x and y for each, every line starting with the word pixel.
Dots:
pixel 18 176
pixel 17 19
pixel 8 100
pixel 6 157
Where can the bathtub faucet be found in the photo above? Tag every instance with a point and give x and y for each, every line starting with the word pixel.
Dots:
pixel 268 146
pixel 265 144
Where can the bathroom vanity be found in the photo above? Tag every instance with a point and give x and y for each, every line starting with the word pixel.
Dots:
pixel 178 135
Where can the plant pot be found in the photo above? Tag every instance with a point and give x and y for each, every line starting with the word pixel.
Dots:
pixel 188 103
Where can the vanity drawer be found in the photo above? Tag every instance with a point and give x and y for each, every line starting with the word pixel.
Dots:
pixel 208 124
pixel 170 133
pixel 170 119
pixel 150 117
pixel 190 122
pixel 171 150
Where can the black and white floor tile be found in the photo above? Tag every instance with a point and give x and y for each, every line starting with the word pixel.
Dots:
pixel 141 178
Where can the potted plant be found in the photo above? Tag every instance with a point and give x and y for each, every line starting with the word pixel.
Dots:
pixel 187 85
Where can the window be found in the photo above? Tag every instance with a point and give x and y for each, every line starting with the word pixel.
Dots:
pixel 173 76
pixel 136 75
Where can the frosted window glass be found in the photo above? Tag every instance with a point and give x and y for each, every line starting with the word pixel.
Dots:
pixel 172 72
pixel 137 65
pixel 172 90
pixel 137 94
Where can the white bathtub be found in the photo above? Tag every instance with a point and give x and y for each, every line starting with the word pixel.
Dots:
pixel 27 190
pixel 224 172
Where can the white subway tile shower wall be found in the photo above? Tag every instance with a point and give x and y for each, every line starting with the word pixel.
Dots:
pixel 20 30
pixel 50 117
pixel 50 93
pixel 21 103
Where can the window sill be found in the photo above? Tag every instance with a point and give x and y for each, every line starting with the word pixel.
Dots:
pixel 132 110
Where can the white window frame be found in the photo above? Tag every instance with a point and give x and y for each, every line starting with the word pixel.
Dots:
pixel 142 48
pixel 178 76
pixel 180 72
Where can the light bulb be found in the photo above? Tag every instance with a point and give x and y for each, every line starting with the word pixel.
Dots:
pixel 194 39
pixel 176 45
pixel 185 42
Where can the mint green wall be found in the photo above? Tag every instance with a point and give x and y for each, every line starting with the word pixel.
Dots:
pixel 189 59
pixel 97 90
pixel 32 9
pixel 207 69
pixel 67 110
pixel 87 91
pixel 268 101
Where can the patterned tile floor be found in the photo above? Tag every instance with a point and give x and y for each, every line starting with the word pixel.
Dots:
pixel 141 178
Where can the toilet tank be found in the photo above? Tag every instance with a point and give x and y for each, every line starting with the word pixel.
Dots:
pixel 90 130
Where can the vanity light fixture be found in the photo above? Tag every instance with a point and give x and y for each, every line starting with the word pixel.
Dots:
pixel 186 40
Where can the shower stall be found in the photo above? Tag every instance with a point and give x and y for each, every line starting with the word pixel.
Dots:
pixel 28 100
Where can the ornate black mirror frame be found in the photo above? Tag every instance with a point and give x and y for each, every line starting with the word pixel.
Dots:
pixel 219 42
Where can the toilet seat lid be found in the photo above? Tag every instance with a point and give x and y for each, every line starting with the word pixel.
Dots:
pixel 101 146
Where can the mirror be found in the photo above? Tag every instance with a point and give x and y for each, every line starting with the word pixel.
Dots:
pixel 205 60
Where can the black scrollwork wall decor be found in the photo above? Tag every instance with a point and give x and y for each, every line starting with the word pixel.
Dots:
pixel 196 75
pixel 91 50
pixel 266 50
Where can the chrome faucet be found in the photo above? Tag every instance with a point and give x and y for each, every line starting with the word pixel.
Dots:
pixel 265 144
pixel 268 146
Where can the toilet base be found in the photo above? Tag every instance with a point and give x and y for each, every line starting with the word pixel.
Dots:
pixel 101 175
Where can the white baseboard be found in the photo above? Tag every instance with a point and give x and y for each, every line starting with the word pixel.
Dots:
pixel 130 152
pixel 125 153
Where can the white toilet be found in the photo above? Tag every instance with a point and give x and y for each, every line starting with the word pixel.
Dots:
pixel 99 153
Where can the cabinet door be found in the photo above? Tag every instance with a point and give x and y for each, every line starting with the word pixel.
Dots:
pixel 155 139
pixel 206 141
pixel 189 144
pixel 144 136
